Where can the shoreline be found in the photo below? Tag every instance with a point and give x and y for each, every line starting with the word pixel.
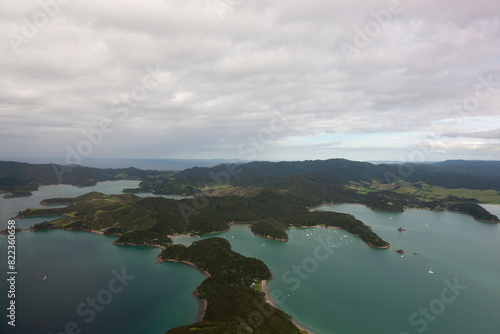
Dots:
pixel 137 245
pixel 215 232
pixel 270 302
pixel 184 262
pixel 266 236
pixel 203 302
pixel 198 235
pixel 415 208
pixel 317 226
pixel 314 208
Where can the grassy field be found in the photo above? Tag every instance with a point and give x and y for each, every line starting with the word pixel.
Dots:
pixel 258 286
pixel 427 192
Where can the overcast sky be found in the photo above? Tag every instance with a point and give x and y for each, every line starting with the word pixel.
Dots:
pixel 250 79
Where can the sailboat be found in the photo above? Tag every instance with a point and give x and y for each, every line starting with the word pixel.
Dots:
pixel 430 271
pixel 45 277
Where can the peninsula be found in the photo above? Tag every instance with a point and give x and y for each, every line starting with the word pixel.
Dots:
pixel 233 303
pixel 150 221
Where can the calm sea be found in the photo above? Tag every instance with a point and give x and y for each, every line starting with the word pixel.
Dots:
pixel 355 289
pixel 346 289
pixel 91 285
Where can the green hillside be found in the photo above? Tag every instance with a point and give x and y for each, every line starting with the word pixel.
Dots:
pixel 230 298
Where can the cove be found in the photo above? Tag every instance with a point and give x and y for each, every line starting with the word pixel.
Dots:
pixel 80 266
pixel 358 289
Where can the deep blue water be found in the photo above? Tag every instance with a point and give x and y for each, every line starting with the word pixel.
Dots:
pixel 79 267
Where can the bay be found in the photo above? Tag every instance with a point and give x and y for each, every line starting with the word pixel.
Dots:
pixel 356 289
pixel 79 267
pixel 9 207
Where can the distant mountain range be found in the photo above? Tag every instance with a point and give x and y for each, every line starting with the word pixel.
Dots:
pixel 334 173
pixel 21 178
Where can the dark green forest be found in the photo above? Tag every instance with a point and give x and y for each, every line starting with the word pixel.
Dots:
pixel 270 228
pixel 232 305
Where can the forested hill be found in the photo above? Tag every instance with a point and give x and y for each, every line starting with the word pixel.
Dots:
pixel 381 187
pixel 230 293
pixel 22 178
pixel 472 167
pixel 318 180
pixel 334 172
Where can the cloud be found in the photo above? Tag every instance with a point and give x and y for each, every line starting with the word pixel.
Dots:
pixel 462 145
pixel 491 134
pixel 228 72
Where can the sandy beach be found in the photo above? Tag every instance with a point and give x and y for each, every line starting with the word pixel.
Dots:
pixel 204 304
pixel 198 236
pixel 332 203
pixel 203 301
pixel 269 300
pixel 317 226
pixel 137 245
pixel 185 262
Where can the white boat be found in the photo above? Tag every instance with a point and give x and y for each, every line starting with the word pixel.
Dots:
pixel 430 271
pixel 45 277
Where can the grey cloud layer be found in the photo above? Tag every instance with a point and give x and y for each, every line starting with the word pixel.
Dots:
pixel 492 134
pixel 228 72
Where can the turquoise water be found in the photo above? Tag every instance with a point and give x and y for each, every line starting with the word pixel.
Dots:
pixel 358 289
pixel 80 265
pixel 347 289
